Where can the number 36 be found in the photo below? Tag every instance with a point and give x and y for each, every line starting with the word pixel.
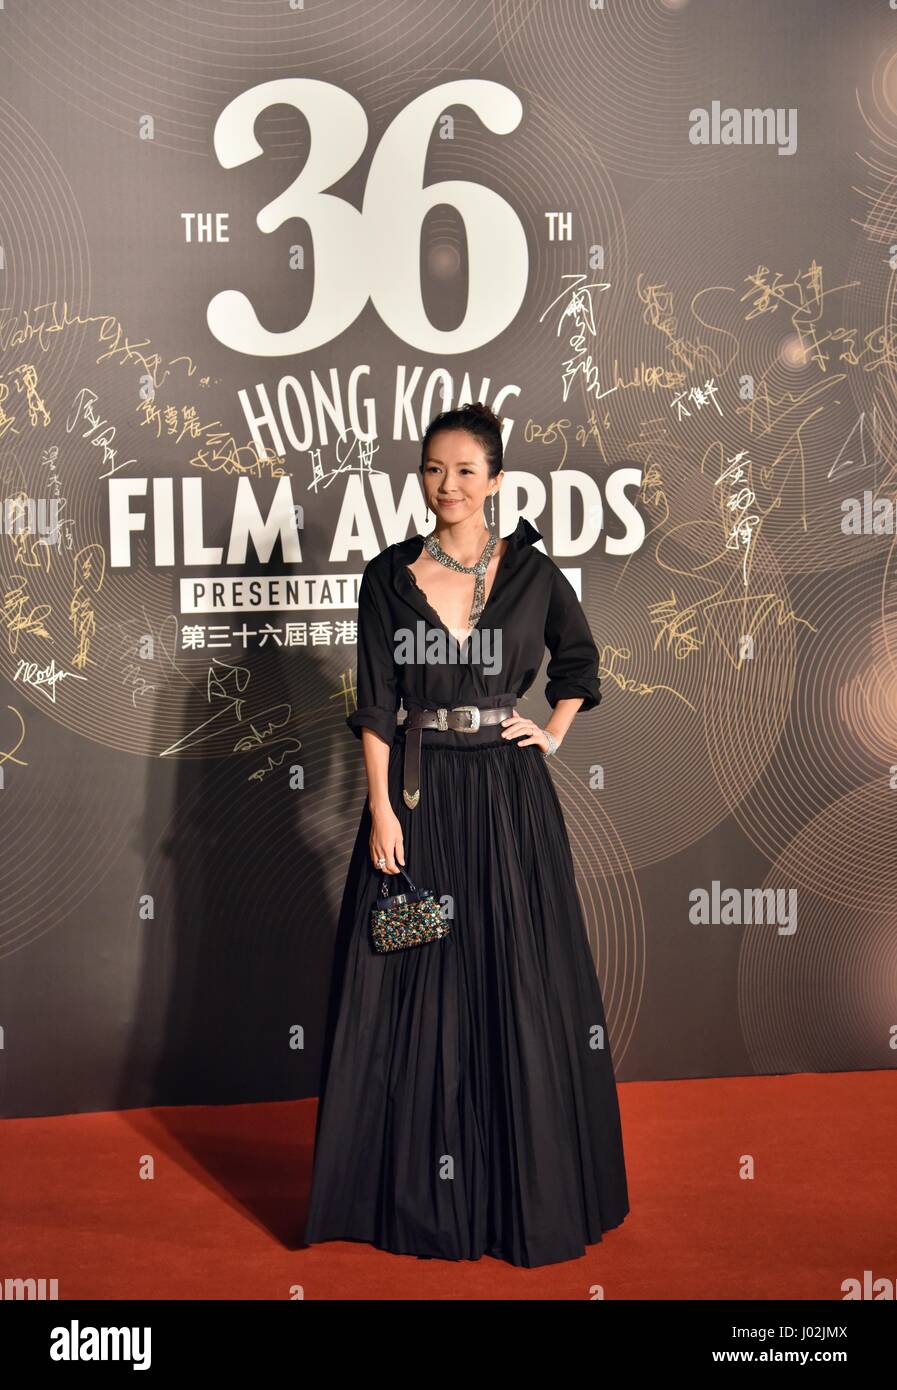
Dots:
pixel 375 253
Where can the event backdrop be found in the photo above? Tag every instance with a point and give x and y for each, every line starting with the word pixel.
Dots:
pixel 248 248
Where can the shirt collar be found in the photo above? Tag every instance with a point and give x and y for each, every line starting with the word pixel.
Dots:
pixel 524 534
pixel 407 551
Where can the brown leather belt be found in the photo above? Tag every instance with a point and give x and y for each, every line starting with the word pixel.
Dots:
pixel 462 718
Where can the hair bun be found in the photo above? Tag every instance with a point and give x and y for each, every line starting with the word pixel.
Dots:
pixel 480 409
pixel 477 419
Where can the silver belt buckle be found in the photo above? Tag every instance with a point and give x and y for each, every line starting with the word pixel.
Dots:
pixel 474 712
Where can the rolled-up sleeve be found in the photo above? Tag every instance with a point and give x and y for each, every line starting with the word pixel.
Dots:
pixel 376 698
pixel 573 668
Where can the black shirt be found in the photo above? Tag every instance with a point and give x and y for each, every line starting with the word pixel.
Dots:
pixel 532 605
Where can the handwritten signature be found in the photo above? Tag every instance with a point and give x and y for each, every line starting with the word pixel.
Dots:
pixel 101 431
pixel 580 309
pixel 45 678
pixel 225 687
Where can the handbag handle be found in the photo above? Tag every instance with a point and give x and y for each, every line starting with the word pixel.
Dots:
pixel 384 886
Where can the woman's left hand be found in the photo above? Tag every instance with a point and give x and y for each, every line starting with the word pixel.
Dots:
pixel 515 725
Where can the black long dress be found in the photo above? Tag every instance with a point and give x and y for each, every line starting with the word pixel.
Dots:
pixel 467 1103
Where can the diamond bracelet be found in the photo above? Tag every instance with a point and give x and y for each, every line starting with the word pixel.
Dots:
pixel 552 744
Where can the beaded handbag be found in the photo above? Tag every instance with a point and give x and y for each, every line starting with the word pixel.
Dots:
pixel 405 919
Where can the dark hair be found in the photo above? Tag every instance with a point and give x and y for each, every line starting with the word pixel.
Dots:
pixel 477 419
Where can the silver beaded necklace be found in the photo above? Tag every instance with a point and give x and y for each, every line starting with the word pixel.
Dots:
pixel 433 548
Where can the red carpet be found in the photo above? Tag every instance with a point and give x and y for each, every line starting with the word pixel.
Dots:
pixel 223 1216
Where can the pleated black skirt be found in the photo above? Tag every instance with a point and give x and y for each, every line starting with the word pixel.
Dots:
pixel 468 1104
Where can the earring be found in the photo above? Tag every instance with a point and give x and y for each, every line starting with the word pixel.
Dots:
pixel 493 511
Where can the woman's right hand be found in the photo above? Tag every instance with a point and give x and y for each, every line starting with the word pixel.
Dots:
pixel 387 841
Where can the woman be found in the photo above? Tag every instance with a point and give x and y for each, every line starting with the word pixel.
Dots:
pixel 468 1103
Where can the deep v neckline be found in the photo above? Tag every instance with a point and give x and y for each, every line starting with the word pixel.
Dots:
pixel 488 599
